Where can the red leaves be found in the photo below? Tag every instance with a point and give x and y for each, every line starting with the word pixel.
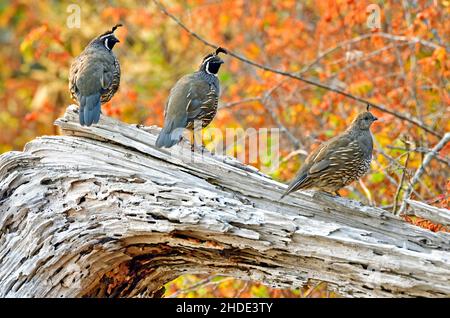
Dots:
pixel 31 117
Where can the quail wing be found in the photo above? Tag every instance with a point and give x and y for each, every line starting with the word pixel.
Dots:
pixel 329 154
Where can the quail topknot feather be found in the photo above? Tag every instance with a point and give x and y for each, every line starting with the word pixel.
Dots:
pixel 194 97
pixel 339 161
pixel 94 76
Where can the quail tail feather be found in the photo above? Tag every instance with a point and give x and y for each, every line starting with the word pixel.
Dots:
pixel 295 185
pixel 169 136
pixel 90 109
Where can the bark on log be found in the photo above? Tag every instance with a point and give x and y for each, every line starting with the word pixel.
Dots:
pixel 102 212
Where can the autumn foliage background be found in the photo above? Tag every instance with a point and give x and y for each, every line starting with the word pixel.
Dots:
pixel 327 41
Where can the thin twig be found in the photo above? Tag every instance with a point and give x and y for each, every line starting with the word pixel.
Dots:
pixel 392 161
pixel 421 150
pixel 309 292
pixel 426 161
pixel 402 179
pixel 370 35
pixel 203 283
pixel 367 193
pixel 294 153
pixel 240 291
pixel 365 58
pixel 269 108
pixel 312 82
pixel 242 101
pixel 263 101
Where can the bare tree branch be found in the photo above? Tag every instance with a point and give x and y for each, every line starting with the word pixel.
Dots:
pixel 309 81
pixel 422 150
pixel 239 102
pixel 426 161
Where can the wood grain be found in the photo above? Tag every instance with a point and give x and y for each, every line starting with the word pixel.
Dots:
pixel 102 212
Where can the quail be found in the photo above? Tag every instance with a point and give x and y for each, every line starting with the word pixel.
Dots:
pixel 339 161
pixel 193 98
pixel 94 76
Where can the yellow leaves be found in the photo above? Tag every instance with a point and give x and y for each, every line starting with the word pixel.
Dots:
pixel 440 55
pixel 7 120
pixel 253 51
pixel 376 177
pixel 361 88
pixel 224 19
pixel 260 291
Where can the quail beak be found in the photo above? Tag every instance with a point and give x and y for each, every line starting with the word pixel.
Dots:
pixel 375 118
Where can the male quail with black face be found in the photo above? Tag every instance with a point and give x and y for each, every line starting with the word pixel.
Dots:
pixel 339 161
pixel 193 98
pixel 94 76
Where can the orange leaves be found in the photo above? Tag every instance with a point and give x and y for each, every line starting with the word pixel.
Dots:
pixel 116 14
pixel 444 153
pixel 26 47
pixel 444 202
pixel 425 224
pixel 30 117
pixel 132 95
pixel 44 43
pixel 253 51
pixel 288 35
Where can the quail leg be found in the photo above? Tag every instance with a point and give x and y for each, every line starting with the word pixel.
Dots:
pixel 202 147
pixel 192 140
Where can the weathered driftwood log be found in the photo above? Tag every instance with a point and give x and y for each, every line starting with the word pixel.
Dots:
pixel 102 212
pixel 432 213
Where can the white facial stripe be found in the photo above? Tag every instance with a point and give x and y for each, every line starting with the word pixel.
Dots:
pixel 207 60
pixel 207 70
pixel 105 36
pixel 106 44
pixel 207 65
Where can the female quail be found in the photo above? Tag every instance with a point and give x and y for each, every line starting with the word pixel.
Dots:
pixel 339 161
pixel 94 76
pixel 193 98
